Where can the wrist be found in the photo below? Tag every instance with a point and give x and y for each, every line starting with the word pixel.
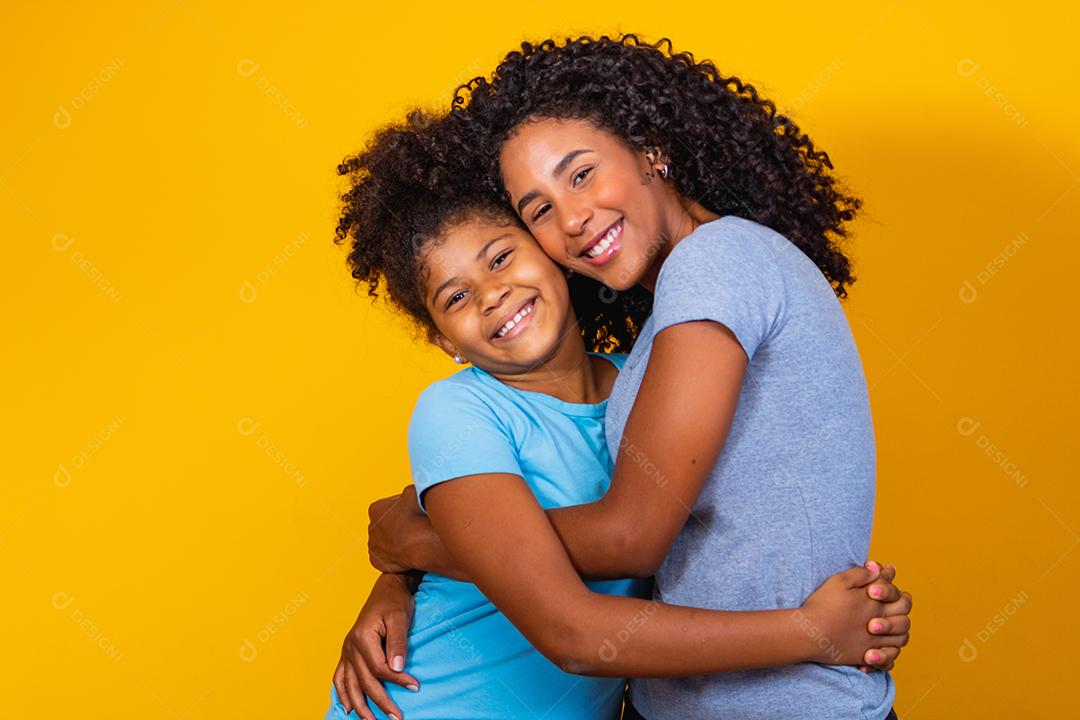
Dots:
pixel 807 634
pixel 417 543
pixel 403 582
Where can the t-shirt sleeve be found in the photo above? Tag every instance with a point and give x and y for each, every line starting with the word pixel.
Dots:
pixel 453 433
pixel 725 274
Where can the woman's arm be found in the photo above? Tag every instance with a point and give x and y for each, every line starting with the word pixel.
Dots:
pixel 496 528
pixel 374 648
pixel 672 439
pixel 670 445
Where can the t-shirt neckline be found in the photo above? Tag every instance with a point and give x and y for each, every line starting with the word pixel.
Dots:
pixel 567 408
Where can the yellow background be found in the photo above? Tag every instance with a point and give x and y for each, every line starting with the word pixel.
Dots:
pixel 198 408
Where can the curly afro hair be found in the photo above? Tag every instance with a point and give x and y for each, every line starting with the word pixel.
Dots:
pixel 729 148
pixel 408 188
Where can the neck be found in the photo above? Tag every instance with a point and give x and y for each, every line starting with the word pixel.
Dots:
pixel 567 374
pixel 684 217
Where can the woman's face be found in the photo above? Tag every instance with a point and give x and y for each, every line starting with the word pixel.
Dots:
pixel 495 297
pixel 583 195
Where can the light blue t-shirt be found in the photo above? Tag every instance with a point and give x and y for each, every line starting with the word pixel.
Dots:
pixel 470 660
pixel 790 500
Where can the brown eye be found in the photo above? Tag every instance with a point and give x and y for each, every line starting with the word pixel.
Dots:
pixel 454 298
pixel 582 175
pixel 499 260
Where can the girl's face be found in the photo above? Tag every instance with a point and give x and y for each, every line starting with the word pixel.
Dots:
pixel 496 298
pixel 583 195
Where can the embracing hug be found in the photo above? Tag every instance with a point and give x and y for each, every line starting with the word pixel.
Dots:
pixel 649 491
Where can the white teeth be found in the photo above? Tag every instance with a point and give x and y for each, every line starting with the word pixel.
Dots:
pixel 512 323
pixel 604 244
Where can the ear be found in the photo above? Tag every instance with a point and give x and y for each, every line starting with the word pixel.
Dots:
pixel 443 343
pixel 655 156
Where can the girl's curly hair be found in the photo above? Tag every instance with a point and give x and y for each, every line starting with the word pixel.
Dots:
pixel 729 148
pixel 406 189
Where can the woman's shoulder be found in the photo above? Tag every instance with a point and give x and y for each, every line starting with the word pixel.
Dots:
pixel 729 239
pixel 729 252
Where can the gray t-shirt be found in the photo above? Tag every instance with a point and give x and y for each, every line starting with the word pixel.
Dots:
pixel 791 498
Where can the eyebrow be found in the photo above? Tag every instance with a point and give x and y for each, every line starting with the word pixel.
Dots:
pixel 479 256
pixel 483 251
pixel 559 169
pixel 442 287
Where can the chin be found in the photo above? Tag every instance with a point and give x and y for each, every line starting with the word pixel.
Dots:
pixel 618 279
pixel 622 284
pixel 532 354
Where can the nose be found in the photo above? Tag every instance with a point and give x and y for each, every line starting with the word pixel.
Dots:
pixel 574 218
pixel 493 294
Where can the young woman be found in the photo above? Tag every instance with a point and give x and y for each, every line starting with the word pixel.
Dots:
pixel 740 421
pixel 520 431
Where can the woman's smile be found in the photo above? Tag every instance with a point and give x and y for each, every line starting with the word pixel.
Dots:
pixel 602 248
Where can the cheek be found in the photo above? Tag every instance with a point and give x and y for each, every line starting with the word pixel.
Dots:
pixel 541 273
pixel 621 189
pixel 551 241
pixel 632 198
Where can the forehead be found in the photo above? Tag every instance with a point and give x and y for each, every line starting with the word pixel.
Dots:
pixel 537 145
pixel 454 251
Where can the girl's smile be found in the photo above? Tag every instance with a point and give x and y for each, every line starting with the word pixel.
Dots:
pixel 516 323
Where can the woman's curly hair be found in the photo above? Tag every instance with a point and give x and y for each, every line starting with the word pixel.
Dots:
pixel 729 148
pixel 406 189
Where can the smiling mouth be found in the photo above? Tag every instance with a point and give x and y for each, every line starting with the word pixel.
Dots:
pixel 514 325
pixel 604 245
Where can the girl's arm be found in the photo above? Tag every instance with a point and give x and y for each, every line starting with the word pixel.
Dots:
pixel 496 528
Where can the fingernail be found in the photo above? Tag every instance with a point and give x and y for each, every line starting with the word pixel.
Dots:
pixel 873 566
pixel 875 591
pixel 393 716
pixel 398 663
pixel 874 657
pixel 877 627
pixel 413 687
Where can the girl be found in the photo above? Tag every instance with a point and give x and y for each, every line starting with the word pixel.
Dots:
pixel 645 170
pixel 522 430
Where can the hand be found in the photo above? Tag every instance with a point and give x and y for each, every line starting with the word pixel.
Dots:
pixel 838 616
pixel 895 620
pixel 386 615
pixel 394 523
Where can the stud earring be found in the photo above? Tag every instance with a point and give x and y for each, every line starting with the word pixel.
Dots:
pixel 664 171
pixel 458 359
